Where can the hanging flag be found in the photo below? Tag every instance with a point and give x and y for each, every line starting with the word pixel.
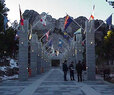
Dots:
pixel 109 20
pixel 53 51
pixel 43 20
pixel 30 34
pixel 21 17
pixel 65 35
pixel 78 31
pixel 92 15
pixel 5 22
pixel 67 22
pixel 50 43
pixel 47 35
pixel 83 42
pixel 60 43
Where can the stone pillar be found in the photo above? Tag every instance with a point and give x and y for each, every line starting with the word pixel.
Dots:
pixel 33 55
pixel 39 58
pixel 90 50
pixel 23 52
pixel 79 55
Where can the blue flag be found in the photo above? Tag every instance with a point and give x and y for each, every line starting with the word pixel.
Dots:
pixel 50 43
pixel 67 22
pixel 60 43
pixel 109 20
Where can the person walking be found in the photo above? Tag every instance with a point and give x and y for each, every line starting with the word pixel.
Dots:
pixel 79 69
pixel 65 69
pixel 71 68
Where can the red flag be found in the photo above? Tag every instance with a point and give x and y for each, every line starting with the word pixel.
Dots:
pixel 21 17
pixel 92 15
pixel 47 35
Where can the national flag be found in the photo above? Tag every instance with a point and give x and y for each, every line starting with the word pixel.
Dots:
pixel 65 35
pixel 50 43
pixel 78 31
pixel 47 35
pixel 53 51
pixel 109 20
pixel 43 20
pixel 92 15
pixel 83 42
pixel 5 22
pixel 21 17
pixel 30 34
pixel 67 22
pixel 60 43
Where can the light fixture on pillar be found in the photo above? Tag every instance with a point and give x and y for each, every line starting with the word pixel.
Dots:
pixel 38 55
pixel 32 50
pixel 4 52
pixel 22 43
pixel 91 43
pixel 79 50
pixel 73 54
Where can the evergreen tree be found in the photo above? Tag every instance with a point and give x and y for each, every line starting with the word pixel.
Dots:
pixel 3 12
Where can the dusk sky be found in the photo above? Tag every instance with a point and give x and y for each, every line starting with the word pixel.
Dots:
pixel 59 8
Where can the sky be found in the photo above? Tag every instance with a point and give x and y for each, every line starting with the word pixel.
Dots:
pixel 59 8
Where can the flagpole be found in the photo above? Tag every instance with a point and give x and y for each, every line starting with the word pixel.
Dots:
pixel 43 35
pixel 101 24
pixel 47 43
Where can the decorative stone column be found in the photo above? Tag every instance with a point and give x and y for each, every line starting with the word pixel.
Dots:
pixel 33 55
pixel 23 52
pixel 79 55
pixel 39 58
pixel 90 50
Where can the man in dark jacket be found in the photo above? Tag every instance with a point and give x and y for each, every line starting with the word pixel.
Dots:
pixel 79 69
pixel 65 69
pixel 71 68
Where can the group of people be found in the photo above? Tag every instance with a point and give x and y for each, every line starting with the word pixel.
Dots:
pixel 79 68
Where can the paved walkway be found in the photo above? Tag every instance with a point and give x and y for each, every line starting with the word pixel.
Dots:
pixel 51 83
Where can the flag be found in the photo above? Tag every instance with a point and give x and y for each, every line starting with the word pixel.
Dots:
pixel 47 35
pixel 109 20
pixel 78 31
pixel 50 43
pixel 92 15
pixel 30 35
pixel 43 20
pixel 21 17
pixel 67 22
pixel 5 22
pixel 65 35
pixel 83 42
pixel 60 43
pixel 53 51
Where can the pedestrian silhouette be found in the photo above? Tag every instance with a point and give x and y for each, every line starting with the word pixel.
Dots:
pixel 65 69
pixel 71 68
pixel 79 69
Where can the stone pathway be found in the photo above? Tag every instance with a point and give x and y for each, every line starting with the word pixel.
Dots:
pixel 51 83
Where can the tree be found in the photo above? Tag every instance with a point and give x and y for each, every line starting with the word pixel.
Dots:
pixel 3 12
pixel 7 38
